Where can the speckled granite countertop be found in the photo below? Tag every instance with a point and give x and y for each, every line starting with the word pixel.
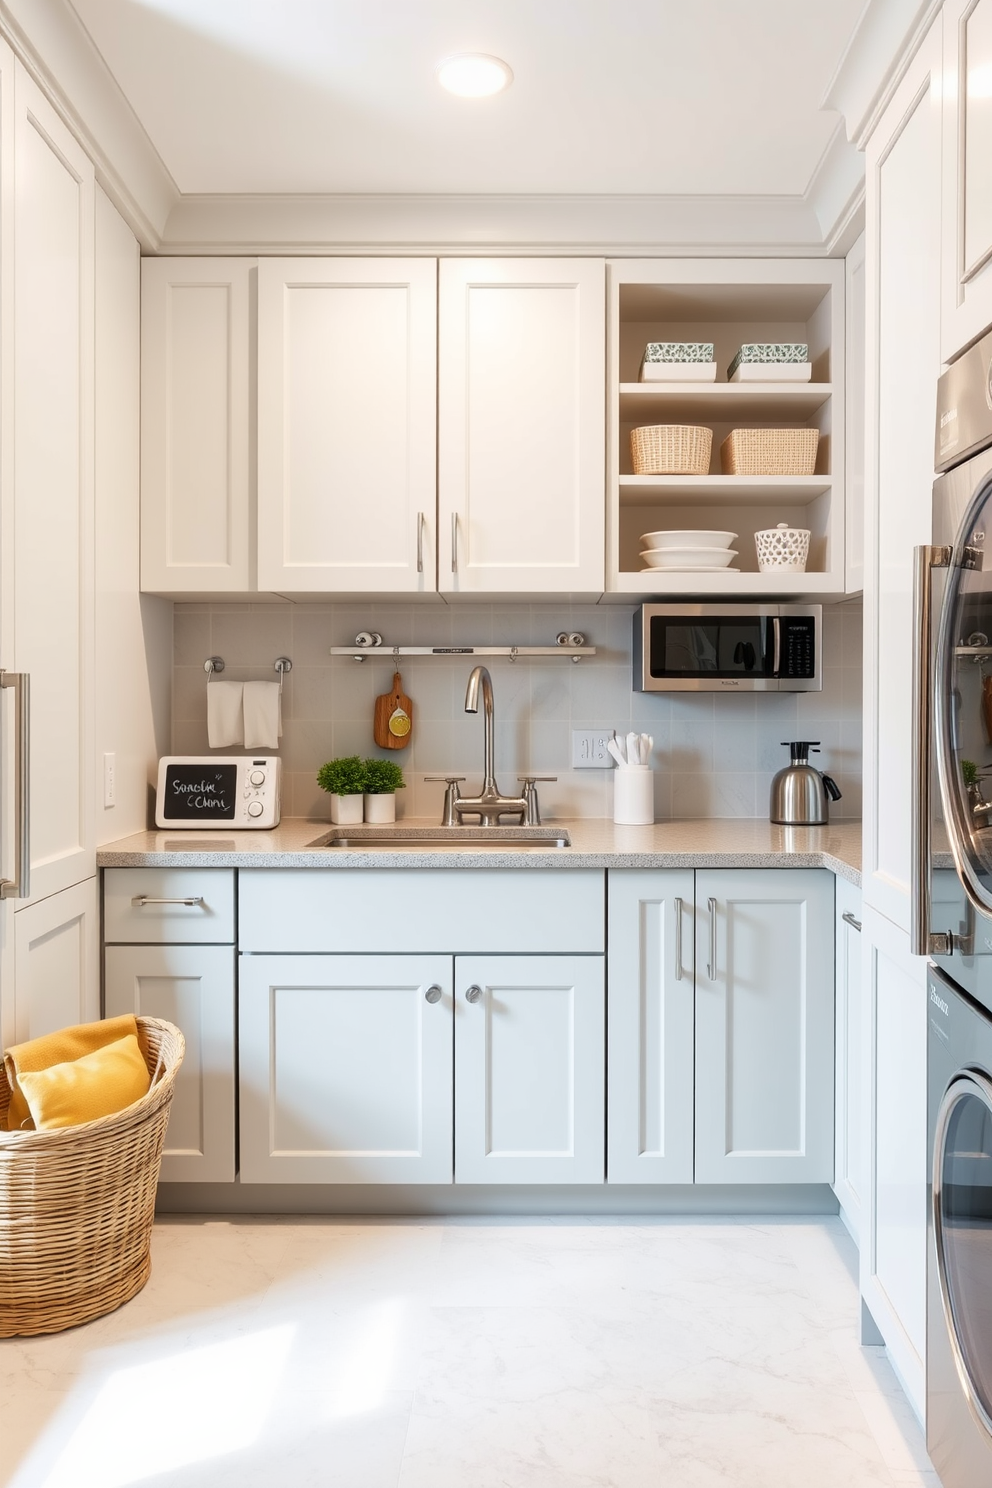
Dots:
pixel 596 843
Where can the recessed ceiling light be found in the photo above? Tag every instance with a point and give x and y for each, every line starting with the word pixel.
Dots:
pixel 474 75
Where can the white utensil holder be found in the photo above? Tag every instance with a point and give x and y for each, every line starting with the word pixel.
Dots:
pixel 633 796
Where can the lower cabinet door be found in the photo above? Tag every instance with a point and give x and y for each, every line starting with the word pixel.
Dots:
pixel 193 987
pixel 764 1026
pixel 650 1063
pixel 345 1069
pixel 529 1069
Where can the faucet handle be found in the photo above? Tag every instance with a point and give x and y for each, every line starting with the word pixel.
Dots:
pixel 451 783
pixel 532 811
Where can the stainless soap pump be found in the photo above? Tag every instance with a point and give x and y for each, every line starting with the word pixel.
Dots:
pixel 800 792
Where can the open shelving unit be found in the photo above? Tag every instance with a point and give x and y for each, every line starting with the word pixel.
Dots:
pixel 727 302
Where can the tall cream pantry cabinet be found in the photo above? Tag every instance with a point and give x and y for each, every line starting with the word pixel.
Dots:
pixel 49 924
pixel 394 426
pixel 903 304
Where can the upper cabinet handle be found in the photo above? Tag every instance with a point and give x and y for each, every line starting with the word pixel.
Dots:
pixel 19 887
pixel 454 542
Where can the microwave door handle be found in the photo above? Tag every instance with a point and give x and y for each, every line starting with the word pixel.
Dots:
pixel 922 941
pixel 776 645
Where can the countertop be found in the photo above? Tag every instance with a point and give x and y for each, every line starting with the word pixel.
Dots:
pixel 596 843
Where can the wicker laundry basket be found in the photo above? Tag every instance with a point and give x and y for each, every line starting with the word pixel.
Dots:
pixel 77 1203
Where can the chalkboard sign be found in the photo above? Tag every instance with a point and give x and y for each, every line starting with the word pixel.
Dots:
pixel 200 792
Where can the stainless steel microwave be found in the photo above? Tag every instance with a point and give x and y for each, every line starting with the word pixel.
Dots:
pixel 728 648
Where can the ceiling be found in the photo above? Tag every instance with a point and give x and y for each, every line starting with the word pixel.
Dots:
pixel 642 97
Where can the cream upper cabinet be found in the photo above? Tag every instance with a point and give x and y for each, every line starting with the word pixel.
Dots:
pixel 346 425
pixel 196 504
pixel 966 208
pixel 521 414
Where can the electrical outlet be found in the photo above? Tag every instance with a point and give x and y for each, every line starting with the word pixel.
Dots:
pixel 110 780
pixel 589 751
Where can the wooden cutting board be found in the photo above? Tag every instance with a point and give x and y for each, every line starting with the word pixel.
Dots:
pixel 392 724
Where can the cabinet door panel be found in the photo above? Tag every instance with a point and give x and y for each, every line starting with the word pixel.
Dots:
pixel 53 206
pixel 196 510
pixel 850 1037
pixel 521 479
pixel 966 269
pixel 192 987
pixel 764 1026
pixel 56 978
pixel 529 1070
pixel 651 1027
pixel 903 363
pixel 345 1069
pixel 347 424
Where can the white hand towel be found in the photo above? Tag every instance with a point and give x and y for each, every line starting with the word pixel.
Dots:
pixel 263 715
pixel 225 722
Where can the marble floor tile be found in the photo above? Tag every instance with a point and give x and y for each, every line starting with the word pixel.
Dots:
pixel 469 1353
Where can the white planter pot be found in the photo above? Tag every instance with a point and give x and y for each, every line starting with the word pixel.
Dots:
pixel 380 808
pixel 346 810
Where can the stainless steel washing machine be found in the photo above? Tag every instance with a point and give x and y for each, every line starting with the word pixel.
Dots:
pixel 959 1289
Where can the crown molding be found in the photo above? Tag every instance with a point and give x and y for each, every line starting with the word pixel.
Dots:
pixel 57 50
pixel 884 43
pixel 615 225
pixel 836 193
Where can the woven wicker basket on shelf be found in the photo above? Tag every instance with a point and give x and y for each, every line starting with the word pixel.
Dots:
pixel 671 449
pixel 769 452
pixel 77 1203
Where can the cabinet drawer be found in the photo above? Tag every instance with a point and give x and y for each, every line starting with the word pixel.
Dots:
pixel 376 909
pixel 163 915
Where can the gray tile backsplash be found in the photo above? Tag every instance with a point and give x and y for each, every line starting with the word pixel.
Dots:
pixel 713 755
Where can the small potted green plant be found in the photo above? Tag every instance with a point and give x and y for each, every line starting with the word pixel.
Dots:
pixel 344 781
pixel 383 778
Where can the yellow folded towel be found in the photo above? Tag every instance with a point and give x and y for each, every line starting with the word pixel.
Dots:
pixel 80 1090
pixel 63 1047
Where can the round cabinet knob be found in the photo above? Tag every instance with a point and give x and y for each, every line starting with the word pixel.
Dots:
pixel 255 808
pixel 433 994
pixel 257 777
pixel 473 994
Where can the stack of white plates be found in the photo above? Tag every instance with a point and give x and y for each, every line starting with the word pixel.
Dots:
pixel 689 552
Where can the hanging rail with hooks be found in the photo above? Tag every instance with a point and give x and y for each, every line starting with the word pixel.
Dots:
pixel 370 643
pixel 214 665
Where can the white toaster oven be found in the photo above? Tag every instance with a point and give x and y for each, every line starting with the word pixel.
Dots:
pixel 210 791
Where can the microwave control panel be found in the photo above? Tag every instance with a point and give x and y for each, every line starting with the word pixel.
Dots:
pixel 798 646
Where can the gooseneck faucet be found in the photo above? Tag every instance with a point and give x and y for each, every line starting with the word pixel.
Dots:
pixel 489 805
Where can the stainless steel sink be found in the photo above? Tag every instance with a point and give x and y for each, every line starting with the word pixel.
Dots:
pixel 422 838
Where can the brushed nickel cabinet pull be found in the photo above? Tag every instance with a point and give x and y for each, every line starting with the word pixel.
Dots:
pixel 19 887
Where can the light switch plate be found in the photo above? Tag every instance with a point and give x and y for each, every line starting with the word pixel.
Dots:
pixel 589 751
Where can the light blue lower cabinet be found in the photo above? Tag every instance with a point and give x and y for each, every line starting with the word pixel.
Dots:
pixel 345 1069
pixel 530 1045
pixel 721 1062
pixel 420 1069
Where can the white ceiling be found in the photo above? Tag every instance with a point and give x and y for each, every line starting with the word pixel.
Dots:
pixel 651 97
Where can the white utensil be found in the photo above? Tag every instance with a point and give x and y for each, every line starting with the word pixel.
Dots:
pixel 616 751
